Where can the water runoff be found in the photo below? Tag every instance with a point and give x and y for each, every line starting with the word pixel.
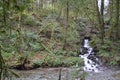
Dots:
pixel 91 61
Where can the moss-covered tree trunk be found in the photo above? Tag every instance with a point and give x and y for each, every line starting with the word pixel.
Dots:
pixel 102 22
pixel 66 25
pixel 116 24
pixel 41 3
pixel 114 17
pixel 100 19
pixel 2 65
pixel 4 12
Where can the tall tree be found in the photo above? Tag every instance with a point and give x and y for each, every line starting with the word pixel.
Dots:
pixel 41 3
pixel 67 23
pixel 100 19
pixel 116 24
pixel 114 17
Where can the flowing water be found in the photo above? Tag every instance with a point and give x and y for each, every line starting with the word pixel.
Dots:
pixel 91 62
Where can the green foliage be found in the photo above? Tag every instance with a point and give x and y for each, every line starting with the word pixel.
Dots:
pixel 109 51
pixel 53 61
pixel 26 29
pixel 49 61
pixel 7 55
pixel 30 20
pixel 60 52
pixel 95 41
pixel 73 34
pixel 8 74
pixel 70 61
pixel 57 61
pixel 5 72
pixel 78 74
pixel 35 46
pixel 66 53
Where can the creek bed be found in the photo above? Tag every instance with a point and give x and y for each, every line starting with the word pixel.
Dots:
pixel 66 74
pixel 47 74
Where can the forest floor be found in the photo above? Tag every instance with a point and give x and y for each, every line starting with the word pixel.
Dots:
pixel 67 74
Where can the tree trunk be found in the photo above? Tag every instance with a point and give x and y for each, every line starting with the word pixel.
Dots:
pixel 4 13
pixel 2 64
pixel 111 34
pixel 41 3
pixel 52 8
pixel 100 19
pixel 67 24
pixel 111 10
pixel 116 25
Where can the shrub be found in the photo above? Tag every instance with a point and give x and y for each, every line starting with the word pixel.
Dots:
pixel 31 20
pixel 109 51
pixel 59 61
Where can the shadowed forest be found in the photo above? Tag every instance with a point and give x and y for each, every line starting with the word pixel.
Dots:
pixel 50 33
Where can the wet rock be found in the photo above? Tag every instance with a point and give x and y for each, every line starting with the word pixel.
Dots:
pixel 92 57
pixel 87 37
pixel 84 50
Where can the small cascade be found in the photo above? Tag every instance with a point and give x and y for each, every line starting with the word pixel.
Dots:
pixel 91 62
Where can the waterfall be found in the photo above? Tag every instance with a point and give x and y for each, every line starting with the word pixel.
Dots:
pixel 91 62
pixel 106 3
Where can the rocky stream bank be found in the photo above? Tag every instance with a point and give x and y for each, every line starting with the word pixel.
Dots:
pixel 67 74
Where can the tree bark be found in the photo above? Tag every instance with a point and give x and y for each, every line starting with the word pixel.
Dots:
pixel 4 13
pixel 67 24
pixel 41 3
pixel 2 63
pixel 100 19
pixel 116 26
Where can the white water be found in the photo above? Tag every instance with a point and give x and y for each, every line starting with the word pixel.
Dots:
pixel 89 65
pixel 106 3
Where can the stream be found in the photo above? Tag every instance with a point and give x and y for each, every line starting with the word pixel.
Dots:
pixel 92 66
pixel 91 61
pixel 66 74
pixel 92 69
